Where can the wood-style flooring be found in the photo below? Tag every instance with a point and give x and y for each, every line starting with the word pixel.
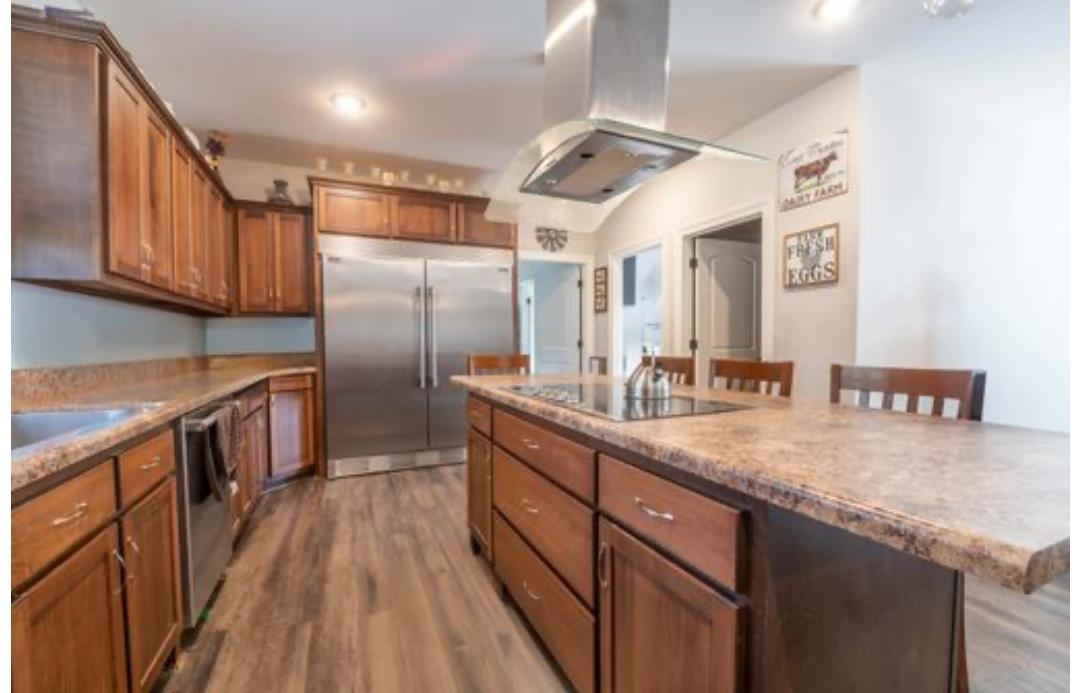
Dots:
pixel 368 584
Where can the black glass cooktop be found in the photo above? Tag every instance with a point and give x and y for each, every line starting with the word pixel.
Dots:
pixel 610 401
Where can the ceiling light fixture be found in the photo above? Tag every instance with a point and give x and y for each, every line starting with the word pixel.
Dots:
pixel 947 9
pixel 833 11
pixel 348 105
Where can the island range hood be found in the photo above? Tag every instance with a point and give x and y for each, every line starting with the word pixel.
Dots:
pixel 605 107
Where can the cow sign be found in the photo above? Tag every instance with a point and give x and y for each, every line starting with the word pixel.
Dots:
pixel 814 172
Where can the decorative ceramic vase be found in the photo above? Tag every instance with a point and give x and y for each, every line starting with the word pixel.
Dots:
pixel 280 196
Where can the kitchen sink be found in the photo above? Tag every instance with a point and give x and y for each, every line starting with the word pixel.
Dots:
pixel 30 428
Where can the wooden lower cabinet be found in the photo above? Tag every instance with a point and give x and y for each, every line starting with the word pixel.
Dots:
pixel 68 629
pixel 660 628
pixel 291 420
pixel 153 586
pixel 255 463
pixel 479 490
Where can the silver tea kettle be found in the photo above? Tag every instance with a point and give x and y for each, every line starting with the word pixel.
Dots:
pixel 648 382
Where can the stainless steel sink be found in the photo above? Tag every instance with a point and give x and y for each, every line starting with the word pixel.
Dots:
pixel 31 428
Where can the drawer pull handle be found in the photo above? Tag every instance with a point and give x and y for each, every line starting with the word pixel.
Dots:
pixel 155 462
pixel 602 566
pixel 530 444
pixel 528 506
pixel 534 597
pixel 80 510
pixel 654 514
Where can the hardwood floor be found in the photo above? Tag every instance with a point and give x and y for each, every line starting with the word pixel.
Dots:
pixel 368 584
pixel 363 584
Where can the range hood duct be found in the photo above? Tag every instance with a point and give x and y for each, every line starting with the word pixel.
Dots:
pixel 605 106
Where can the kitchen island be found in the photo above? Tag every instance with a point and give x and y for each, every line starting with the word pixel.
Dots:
pixel 777 546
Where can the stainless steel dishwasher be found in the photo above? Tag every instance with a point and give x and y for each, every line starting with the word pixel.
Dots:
pixel 204 513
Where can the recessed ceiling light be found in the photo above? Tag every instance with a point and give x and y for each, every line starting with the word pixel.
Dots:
pixel 348 105
pixel 833 11
pixel 947 9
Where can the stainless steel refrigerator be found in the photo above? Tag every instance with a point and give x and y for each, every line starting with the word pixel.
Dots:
pixel 400 319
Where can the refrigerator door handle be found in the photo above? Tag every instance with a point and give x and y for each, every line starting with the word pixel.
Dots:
pixel 431 292
pixel 421 337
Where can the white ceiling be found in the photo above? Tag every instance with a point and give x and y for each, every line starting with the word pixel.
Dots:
pixel 461 82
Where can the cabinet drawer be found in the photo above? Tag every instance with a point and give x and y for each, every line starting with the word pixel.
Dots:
pixel 704 533
pixel 569 464
pixel 145 465
pixel 47 526
pixel 478 413
pixel 285 383
pixel 567 628
pixel 557 525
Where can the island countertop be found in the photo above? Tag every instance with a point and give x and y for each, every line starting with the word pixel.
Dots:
pixel 988 500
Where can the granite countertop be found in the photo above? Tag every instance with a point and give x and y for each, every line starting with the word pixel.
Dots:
pixel 159 399
pixel 985 499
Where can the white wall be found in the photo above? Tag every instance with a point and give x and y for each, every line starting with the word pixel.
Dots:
pixel 812 327
pixel 59 328
pixel 965 255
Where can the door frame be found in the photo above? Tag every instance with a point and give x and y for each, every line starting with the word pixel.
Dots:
pixel 763 208
pixel 586 262
pixel 614 292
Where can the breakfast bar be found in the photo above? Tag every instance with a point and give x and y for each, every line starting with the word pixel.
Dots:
pixel 750 542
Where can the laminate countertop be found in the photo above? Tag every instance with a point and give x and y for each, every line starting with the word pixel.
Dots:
pixel 158 396
pixel 984 499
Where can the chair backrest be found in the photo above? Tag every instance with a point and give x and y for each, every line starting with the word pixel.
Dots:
pixel 597 364
pixel 752 376
pixel 498 364
pixel 964 386
pixel 679 368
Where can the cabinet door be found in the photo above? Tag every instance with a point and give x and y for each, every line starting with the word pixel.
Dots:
pixel 479 465
pixel 255 262
pixel 218 250
pixel 181 215
pixel 153 603
pixel 68 630
pixel 474 228
pixel 353 211
pixel 124 180
pixel 157 233
pixel 424 218
pixel 291 263
pixel 291 422
pixel 201 189
pixel 649 605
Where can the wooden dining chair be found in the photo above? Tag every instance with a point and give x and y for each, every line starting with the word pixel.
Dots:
pixel 679 368
pixel 752 376
pixel 597 365
pixel 965 386
pixel 498 364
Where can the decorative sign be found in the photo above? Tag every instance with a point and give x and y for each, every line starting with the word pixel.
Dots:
pixel 551 239
pixel 814 172
pixel 812 257
pixel 600 289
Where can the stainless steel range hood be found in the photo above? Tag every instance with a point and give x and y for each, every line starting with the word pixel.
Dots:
pixel 605 107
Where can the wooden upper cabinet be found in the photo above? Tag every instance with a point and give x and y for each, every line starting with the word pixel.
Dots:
pixel 292 294
pixel 68 629
pixel 424 218
pixel 218 249
pixel 474 228
pixel 181 217
pixel 199 220
pixel 649 605
pixel 157 232
pixel 124 125
pixel 353 211
pixel 153 589
pixel 255 262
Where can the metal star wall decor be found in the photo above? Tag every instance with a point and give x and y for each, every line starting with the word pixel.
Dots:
pixel 552 240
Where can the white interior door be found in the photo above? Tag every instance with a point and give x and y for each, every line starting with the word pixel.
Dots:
pixel 728 301
pixel 527 319
pixel 557 319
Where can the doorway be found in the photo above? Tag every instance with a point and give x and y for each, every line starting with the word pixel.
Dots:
pixel 640 292
pixel 725 288
pixel 551 315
